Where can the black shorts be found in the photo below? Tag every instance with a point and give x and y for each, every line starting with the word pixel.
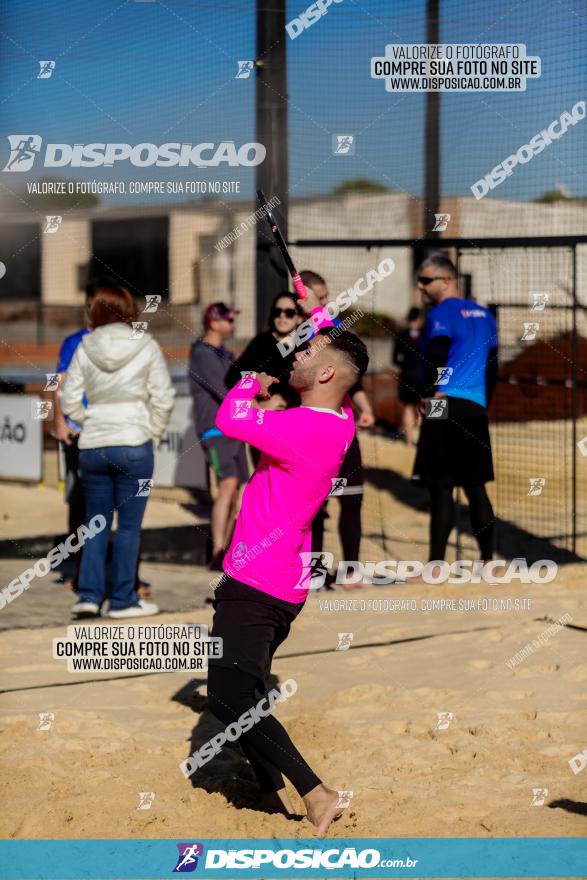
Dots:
pixel 252 625
pixel 455 451
pixel 409 392
pixel 226 457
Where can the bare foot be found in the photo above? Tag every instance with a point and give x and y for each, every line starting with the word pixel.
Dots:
pixel 277 802
pixel 323 806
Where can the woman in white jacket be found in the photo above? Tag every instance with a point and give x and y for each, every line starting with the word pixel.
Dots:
pixel 118 387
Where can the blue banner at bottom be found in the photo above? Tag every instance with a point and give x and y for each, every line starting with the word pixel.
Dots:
pixel 353 858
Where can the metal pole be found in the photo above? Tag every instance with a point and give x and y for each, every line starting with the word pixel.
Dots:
pixel 432 133
pixel 574 403
pixel 271 174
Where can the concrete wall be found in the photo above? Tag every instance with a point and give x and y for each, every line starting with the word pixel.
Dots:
pixel 62 253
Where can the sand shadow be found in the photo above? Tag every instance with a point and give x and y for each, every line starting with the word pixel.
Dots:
pixel 229 772
pixel 511 541
pixel 569 806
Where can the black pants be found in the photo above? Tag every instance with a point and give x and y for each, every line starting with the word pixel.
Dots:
pixel 351 501
pixel 442 519
pixel 252 625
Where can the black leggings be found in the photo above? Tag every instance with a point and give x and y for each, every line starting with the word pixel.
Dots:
pixel 349 526
pixel 443 516
pixel 266 745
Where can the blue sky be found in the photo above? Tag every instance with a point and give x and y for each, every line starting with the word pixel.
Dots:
pixel 156 72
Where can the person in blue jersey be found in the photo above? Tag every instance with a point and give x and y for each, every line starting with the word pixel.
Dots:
pixel 454 448
pixel 67 432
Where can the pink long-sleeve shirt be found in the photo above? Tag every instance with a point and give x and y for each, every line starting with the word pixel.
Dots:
pixel 302 452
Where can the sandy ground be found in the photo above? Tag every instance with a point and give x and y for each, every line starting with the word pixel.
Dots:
pixel 365 718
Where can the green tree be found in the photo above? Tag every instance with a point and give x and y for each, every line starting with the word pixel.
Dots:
pixel 361 184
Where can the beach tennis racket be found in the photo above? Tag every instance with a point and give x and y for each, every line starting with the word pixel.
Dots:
pixel 280 242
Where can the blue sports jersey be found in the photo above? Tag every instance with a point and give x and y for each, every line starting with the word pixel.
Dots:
pixel 65 357
pixel 472 331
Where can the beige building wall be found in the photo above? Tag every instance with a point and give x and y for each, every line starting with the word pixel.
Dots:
pixel 62 253
pixel 186 231
pixel 510 275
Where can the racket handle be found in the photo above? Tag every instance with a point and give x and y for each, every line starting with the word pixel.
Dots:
pixel 299 286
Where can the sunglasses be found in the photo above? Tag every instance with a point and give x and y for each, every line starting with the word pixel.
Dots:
pixel 423 279
pixel 289 313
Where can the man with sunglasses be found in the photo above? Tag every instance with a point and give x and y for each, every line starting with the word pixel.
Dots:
pixel 454 448
pixel 208 365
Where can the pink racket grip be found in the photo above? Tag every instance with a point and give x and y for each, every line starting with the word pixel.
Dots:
pixel 299 286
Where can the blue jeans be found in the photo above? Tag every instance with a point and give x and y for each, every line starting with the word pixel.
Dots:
pixel 112 476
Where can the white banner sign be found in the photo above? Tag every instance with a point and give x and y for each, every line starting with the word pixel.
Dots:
pixel 21 437
pixel 179 460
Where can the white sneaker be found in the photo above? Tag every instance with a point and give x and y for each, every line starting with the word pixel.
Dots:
pixel 85 609
pixel 143 609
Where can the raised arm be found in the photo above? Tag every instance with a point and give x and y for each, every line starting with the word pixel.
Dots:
pixel 269 431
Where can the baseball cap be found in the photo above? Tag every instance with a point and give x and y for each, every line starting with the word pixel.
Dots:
pixel 217 312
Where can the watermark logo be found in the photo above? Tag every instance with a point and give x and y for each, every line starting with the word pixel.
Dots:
pixel 315 565
pixel 343 144
pixel 188 855
pixel 344 799
pixel 578 762
pixel 24 149
pixel 338 485
pixel 239 551
pixel 144 488
pixel 437 408
pixel 46 69
pixel 247 379
pixel 538 301
pixel 46 720
pixel 152 302
pixel 536 145
pixel 343 301
pixel 539 795
pixel 441 222
pixel 443 720
pixel 53 559
pixel 530 331
pixel 240 409
pixel 52 223
pixel 246 224
pixel 310 16
pixel 455 67
pixel 2 270
pixel 582 444
pixel 41 410
pixel 139 328
pixel 537 484
pixel 344 641
pixel 245 68
pixel 444 374
pixel 146 799
pixel 235 730
pixel 438 571
pixel 537 643
pixel 52 383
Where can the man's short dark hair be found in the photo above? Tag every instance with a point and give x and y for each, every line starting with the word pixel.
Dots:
pixel 442 263
pixel 353 349
pixel 309 278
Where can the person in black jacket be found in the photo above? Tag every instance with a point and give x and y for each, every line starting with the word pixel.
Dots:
pixel 262 354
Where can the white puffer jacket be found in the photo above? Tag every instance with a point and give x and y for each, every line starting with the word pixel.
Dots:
pixel 127 386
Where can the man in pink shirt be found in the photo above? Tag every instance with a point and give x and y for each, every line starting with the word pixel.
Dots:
pixel 267 567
